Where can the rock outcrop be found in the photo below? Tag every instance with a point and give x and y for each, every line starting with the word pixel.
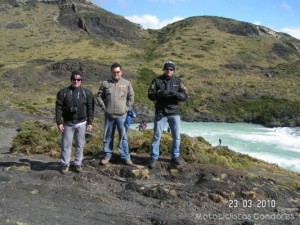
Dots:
pixel 98 22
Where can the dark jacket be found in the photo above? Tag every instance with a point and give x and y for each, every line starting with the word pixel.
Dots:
pixel 74 105
pixel 167 92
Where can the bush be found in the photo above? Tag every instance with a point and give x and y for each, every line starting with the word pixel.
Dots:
pixel 38 138
pixel 35 137
pixel 265 110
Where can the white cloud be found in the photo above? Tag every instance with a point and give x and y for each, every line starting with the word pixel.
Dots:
pixel 295 32
pixel 286 6
pixel 257 23
pixel 151 22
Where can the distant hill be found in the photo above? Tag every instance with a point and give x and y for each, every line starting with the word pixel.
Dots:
pixel 235 71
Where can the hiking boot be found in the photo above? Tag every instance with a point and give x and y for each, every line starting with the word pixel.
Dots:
pixel 152 164
pixel 176 161
pixel 65 170
pixel 78 168
pixel 105 161
pixel 128 162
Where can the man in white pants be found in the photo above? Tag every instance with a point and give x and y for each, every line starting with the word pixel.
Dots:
pixel 74 112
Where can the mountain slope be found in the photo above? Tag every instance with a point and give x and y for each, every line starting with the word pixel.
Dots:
pixel 224 60
pixel 235 71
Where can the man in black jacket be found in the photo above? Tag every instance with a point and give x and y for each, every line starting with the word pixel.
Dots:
pixel 167 91
pixel 74 112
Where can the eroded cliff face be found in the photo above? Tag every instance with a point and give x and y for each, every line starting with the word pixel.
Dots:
pixel 98 22
pixel 82 15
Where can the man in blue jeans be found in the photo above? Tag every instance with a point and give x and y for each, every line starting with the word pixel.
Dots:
pixel 115 97
pixel 167 91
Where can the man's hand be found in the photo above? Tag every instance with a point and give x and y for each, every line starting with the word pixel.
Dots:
pixel 89 128
pixel 61 127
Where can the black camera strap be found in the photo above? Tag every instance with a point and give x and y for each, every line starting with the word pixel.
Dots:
pixel 74 97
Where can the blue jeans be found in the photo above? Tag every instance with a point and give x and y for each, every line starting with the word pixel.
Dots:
pixel 67 139
pixel 109 131
pixel 174 123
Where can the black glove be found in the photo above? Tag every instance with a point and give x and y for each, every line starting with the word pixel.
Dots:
pixel 162 93
pixel 173 93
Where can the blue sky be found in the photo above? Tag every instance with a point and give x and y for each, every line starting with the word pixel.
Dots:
pixel 278 15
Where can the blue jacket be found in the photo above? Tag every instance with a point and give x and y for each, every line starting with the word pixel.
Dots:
pixel 130 114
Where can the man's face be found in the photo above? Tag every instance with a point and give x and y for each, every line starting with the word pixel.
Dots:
pixel 169 71
pixel 116 73
pixel 76 81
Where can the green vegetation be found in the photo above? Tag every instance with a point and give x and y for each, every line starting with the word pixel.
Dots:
pixel 37 138
pixel 193 150
pixel 266 110
pixel 141 85
pixel 41 138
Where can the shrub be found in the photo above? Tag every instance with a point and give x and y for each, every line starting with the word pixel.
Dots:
pixel 36 137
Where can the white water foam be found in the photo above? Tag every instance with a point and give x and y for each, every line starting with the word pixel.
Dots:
pixel 279 145
pixel 287 162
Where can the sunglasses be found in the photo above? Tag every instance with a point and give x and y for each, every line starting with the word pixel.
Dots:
pixel 170 69
pixel 76 80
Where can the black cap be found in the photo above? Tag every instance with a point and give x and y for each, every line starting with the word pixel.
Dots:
pixel 169 64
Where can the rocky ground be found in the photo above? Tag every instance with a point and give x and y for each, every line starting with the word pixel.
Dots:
pixel 33 191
